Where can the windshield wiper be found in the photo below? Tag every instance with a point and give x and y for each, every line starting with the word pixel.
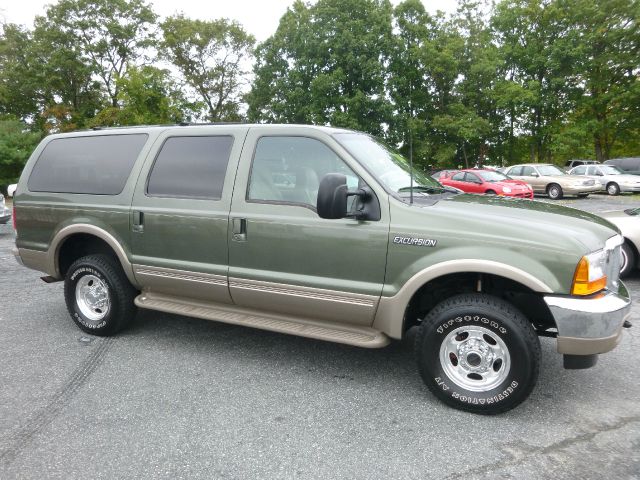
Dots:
pixel 421 188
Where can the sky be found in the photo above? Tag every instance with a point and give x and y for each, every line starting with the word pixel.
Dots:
pixel 259 17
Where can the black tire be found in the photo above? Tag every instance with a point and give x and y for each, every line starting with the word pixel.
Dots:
pixel 555 191
pixel 105 274
pixel 490 192
pixel 613 188
pixel 629 260
pixel 500 322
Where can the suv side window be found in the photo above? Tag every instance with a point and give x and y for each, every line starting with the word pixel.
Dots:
pixel 580 170
pixel 527 171
pixel 289 170
pixel 92 164
pixel 190 167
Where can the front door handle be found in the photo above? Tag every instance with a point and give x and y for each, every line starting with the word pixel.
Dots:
pixel 138 221
pixel 239 230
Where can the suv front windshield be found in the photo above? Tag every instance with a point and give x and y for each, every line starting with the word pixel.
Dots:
pixel 549 170
pixel 391 168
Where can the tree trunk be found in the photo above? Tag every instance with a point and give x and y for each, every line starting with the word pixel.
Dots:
pixel 599 153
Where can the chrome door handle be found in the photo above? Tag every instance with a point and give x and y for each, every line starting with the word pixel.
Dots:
pixel 239 230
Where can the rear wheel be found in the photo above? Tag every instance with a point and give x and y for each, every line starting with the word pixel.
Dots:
pixel 99 296
pixel 490 192
pixel 554 191
pixel 478 353
pixel 628 260
pixel 613 188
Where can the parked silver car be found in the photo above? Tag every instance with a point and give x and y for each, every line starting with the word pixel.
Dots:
pixel 628 221
pixel 5 213
pixel 612 179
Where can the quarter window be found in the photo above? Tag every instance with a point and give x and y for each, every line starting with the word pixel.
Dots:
pixel 289 170
pixel 191 167
pixel 93 164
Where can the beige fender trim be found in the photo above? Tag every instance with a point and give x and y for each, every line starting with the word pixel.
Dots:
pixel 52 257
pixel 390 315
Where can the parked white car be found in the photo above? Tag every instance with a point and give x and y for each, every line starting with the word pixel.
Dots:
pixel 612 179
pixel 5 213
pixel 11 189
pixel 628 221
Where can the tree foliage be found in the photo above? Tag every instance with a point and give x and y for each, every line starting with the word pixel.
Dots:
pixel 492 83
pixel 212 57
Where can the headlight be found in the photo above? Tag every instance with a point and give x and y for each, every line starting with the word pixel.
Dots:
pixel 590 277
pixel 506 189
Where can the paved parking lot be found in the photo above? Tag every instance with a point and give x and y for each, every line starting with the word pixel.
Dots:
pixel 175 397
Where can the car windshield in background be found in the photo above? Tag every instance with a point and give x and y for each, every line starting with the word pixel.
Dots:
pixel 610 170
pixel 550 170
pixel 489 176
pixel 391 168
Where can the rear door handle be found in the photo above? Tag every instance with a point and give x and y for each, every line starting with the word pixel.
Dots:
pixel 239 230
pixel 138 221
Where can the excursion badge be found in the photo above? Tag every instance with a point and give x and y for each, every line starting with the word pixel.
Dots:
pixel 414 241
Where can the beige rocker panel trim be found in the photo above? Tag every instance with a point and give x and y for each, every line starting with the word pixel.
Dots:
pixel 321 304
pixel 306 292
pixel 390 315
pixel 52 256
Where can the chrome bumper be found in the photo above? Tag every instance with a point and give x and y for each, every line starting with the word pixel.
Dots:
pixel 588 326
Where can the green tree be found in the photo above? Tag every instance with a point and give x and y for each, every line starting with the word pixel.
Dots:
pixel 327 64
pixel 146 95
pixel 16 144
pixel 112 34
pixel 607 41
pixel 212 57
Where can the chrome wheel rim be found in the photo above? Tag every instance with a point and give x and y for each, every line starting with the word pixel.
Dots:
pixel 612 189
pixel 92 298
pixel 554 192
pixel 625 260
pixel 475 358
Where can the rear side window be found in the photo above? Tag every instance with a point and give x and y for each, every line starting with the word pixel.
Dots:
pixel 98 165
pixel 517 171
pixel 458 177
pixel 191 167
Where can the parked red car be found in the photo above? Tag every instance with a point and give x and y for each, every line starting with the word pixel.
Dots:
pixel 487 181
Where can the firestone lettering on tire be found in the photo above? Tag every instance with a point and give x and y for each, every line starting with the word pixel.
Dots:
pixel 471 318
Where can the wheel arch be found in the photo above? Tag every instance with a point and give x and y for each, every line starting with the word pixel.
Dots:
pixel 394 314
pixel 77 240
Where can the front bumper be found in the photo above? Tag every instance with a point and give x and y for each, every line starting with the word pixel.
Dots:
pixel 579 189
pixel 588 326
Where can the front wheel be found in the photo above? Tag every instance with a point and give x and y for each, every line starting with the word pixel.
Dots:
pixel 478 353
pixel 628 260
pixel 554 191
pixel 613 188
pixel 99 296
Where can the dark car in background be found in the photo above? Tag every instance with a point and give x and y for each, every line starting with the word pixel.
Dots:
pixel 629 165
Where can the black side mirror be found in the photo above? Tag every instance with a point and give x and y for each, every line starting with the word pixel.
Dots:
pixel 332 200
pixel 332 196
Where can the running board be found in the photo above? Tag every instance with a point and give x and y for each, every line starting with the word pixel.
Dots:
pixel 332 332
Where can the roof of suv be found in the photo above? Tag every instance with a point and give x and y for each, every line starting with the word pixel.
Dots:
pixel 198 126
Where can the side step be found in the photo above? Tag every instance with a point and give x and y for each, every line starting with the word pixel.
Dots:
pixel 332 332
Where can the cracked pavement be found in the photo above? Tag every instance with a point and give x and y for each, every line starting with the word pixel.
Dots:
pixel 175 397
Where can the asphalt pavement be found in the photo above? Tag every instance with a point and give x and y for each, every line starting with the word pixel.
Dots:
pixel 175 397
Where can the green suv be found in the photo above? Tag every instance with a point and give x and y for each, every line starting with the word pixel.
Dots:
pixel 322 233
